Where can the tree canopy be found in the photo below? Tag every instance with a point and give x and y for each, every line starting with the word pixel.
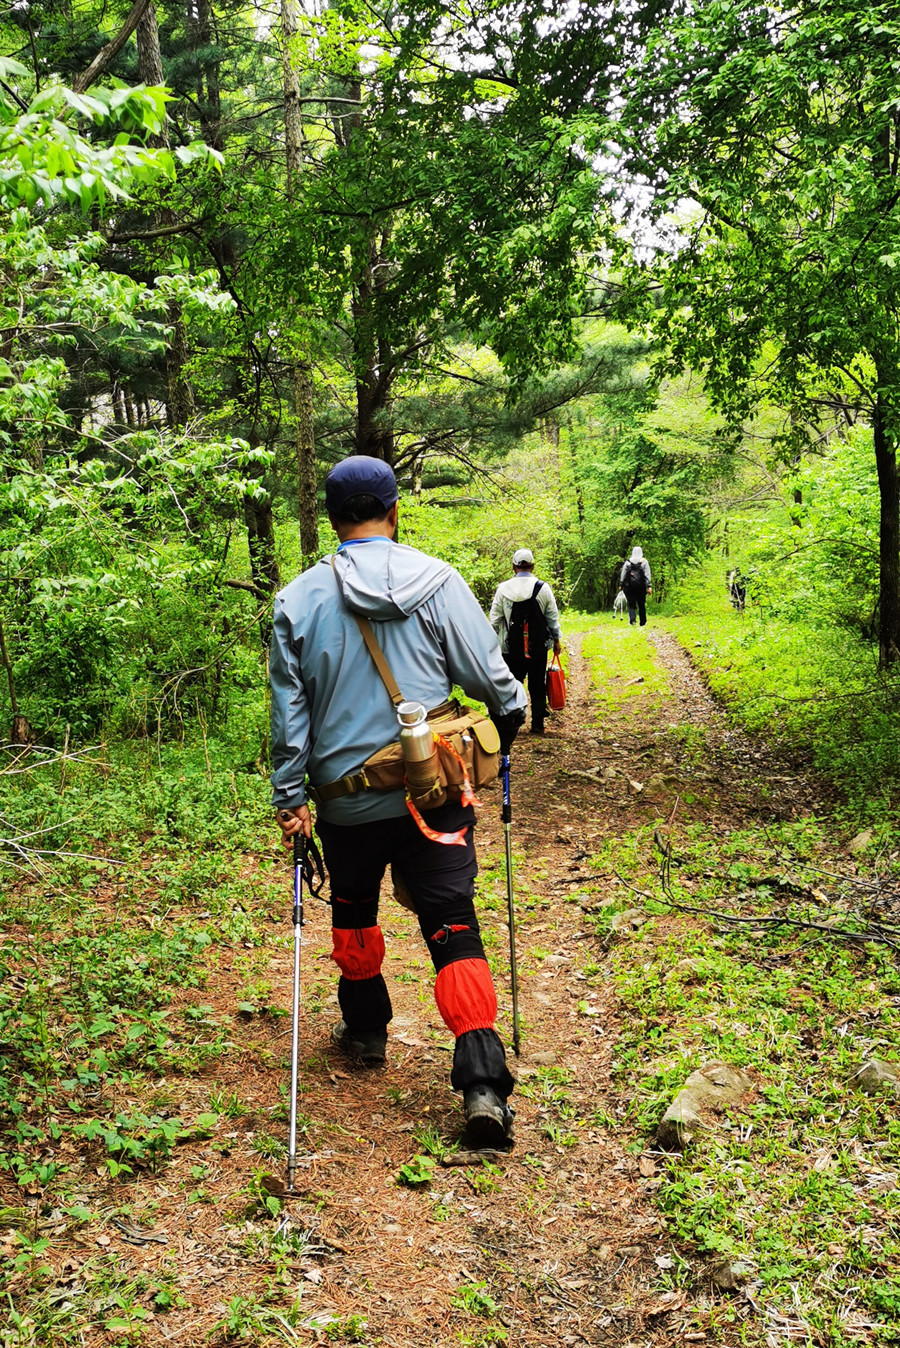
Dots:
pixel 762 147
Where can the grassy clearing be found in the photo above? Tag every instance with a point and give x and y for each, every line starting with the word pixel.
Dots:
pixel 803 1186
pixel 808 685
pixel 624 666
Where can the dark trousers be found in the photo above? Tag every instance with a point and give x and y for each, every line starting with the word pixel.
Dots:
pixel 440 881
pixel 637 602
pixel 535 671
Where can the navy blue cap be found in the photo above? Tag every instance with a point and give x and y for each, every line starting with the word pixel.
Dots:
pixel 360 475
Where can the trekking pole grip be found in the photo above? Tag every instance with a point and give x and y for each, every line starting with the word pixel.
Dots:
pixel 299 859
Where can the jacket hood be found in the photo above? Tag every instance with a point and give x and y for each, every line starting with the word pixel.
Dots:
pixel 637 554
pixel 385 580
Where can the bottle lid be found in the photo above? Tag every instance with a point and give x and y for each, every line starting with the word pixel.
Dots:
pixel 411 713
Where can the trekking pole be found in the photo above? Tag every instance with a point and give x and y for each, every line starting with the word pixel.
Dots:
pixel 307 866
pixel 506 816
pixel 300 846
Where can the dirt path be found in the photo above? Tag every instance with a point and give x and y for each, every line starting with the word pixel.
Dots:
pixel 558 1244
pixel 553 1245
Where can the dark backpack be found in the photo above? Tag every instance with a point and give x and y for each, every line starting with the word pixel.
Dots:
pixel 635 582
pixel 527 631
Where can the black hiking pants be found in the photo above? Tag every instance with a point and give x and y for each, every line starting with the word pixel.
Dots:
pixel 637 603
pixel 439 880
pixel 535 672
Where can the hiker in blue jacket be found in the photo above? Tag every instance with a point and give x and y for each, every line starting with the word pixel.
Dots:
pixel 331 712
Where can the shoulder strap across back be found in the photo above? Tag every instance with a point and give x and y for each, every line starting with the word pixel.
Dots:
pixel 377 654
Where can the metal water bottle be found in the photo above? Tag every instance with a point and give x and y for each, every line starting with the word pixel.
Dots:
pixel 419 754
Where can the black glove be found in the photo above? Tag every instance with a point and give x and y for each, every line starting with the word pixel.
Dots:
pixel 508 729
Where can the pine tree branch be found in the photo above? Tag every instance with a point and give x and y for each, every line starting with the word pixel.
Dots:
pixel 160 233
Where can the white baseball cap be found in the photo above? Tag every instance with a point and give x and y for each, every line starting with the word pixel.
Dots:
pixel 523 557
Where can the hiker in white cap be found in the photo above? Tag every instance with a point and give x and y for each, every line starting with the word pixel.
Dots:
pixel 525 617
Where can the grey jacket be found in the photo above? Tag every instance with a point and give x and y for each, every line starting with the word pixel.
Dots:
pixel 645 567
pixel 330 709
pixel 521 586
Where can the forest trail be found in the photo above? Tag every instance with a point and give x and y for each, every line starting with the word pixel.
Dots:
pixel 559 1243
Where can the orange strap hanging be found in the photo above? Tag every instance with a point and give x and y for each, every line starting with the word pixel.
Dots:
pixel 457 839
pixel 468 796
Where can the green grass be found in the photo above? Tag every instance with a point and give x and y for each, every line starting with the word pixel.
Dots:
pixel 809 686
pixel 624 665
pixel 803 1184
pixel 144 885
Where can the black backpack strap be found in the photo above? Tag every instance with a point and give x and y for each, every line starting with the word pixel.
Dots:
pixel 537 586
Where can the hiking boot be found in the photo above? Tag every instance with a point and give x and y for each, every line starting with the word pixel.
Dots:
pixel 366 1046
pixel 537 729
pixel 489 1120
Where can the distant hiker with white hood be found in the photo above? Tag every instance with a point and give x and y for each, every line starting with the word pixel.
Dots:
pixel 331 712
pixel 635 581
pixel 526 619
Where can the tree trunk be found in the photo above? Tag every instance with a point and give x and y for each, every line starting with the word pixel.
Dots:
pixel 109 53
pixel 307 503
pixel 180 401
pixel 293 108
pixel 372 388
pixel 306 461
pixel 374 377
pixel 263 561
pixel 889 538
pixel 576 481
pixel 372 437
pixel 202 37
pixel 4 658
pixel 372 357
pixel 149 55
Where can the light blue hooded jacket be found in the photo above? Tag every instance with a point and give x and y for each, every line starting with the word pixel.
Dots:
pixel 330 709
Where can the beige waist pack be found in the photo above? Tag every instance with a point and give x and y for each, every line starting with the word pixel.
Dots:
pixel 468 748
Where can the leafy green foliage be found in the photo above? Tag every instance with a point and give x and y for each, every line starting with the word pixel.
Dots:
pixel 418 1172
pixel 42 159
pixel 100 605
pixel 816 558
pixel 638 466
pixel 771 148
pixel 475 1299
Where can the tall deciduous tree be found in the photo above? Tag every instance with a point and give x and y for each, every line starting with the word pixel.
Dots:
pixel 438 198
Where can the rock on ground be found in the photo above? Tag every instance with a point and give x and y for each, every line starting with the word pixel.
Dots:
pixel 730 1274
pixel 714 1087
pixel 878 1078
